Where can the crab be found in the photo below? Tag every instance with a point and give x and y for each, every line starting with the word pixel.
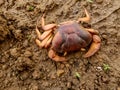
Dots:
pixel 66 37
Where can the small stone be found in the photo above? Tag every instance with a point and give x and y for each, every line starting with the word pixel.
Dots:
pixel 105 79
pixel 45 83
pixel 27 54
pixel 24 76
pixel 118 88
pixel 69 85
pixel 99 68
pixel 17 34
pixel 4 67
pixel 99 1
pixel 56 88
pixel 1 74
pixel 35 87
pixel 67 65
pixel 1 2
pixel 28 62
pixel 52 76
pixel 60 72
pixel 25 43
pixel 118 34
pixel 105 36
pixel 36 74
pixel 62 66
pixel 14 52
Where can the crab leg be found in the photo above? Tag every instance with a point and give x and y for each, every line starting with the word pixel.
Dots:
pixel 55 57
pixel 38 42
pixel 94 46
pixel 45 34
pixel 49 41
pixel 38 33
pixel 85 19
pixel 49 26
pixel 43 43
pixel 46 27
pixel 92 31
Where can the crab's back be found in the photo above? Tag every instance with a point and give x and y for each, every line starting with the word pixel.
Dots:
pixel 70 37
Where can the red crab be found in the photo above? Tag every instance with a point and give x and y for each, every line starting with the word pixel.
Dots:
pixel 68 36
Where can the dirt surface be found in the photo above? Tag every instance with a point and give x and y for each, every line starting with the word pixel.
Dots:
pixel 24 66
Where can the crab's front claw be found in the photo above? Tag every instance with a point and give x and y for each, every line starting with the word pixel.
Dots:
pixel 55 57
pixel 95 46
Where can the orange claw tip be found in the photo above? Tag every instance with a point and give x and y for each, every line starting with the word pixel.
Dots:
pixel 93 49
pixel 55 57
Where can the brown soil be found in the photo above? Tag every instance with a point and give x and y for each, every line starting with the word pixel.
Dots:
pixel 24 66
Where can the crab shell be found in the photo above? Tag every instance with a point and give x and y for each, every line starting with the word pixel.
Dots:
pixel 70 37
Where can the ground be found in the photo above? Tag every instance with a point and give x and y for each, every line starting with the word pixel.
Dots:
pixel 24 66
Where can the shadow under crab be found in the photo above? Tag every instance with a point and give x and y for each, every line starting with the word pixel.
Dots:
pixel 69 36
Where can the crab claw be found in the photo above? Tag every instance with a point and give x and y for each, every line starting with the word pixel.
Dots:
pixel 94 46
pixel 55 57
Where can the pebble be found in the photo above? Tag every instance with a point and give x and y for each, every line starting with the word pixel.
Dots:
pixel 1 2
pixel 99 68
pixel 28 62
pixel 99 1
pixel 118 35
pixel 69 85
pixel 27 54
pixel 25 43
pixel 45 83
pixel 1 74
pixel 118 88
pixel 62 66
pixel 67 65
pixel 4 67
pixel 14 52
pixel 60 72
pixel 36 74
pixel 35 87
pixel 105 79
pixel 56 88
pixel 24 76
pixel 105 37
pixel 18 34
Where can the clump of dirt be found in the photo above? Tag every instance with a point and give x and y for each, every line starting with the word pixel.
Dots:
pixel 25 66
pixel 4 30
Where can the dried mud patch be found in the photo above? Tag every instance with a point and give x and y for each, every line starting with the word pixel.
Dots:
pixel 24 66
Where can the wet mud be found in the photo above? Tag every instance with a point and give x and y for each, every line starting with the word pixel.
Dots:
pixel 25 66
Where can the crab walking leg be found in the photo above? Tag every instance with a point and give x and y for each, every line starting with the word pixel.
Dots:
pixel 92 31
pixel 49 26
pixel 94 46
pixel 49 41
pixel 45 34
pixel 38 33
pixel 85 19
pixel 46 27
pixel 38 42
pixel 43 20
pixel 55 57
pixel 43 43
